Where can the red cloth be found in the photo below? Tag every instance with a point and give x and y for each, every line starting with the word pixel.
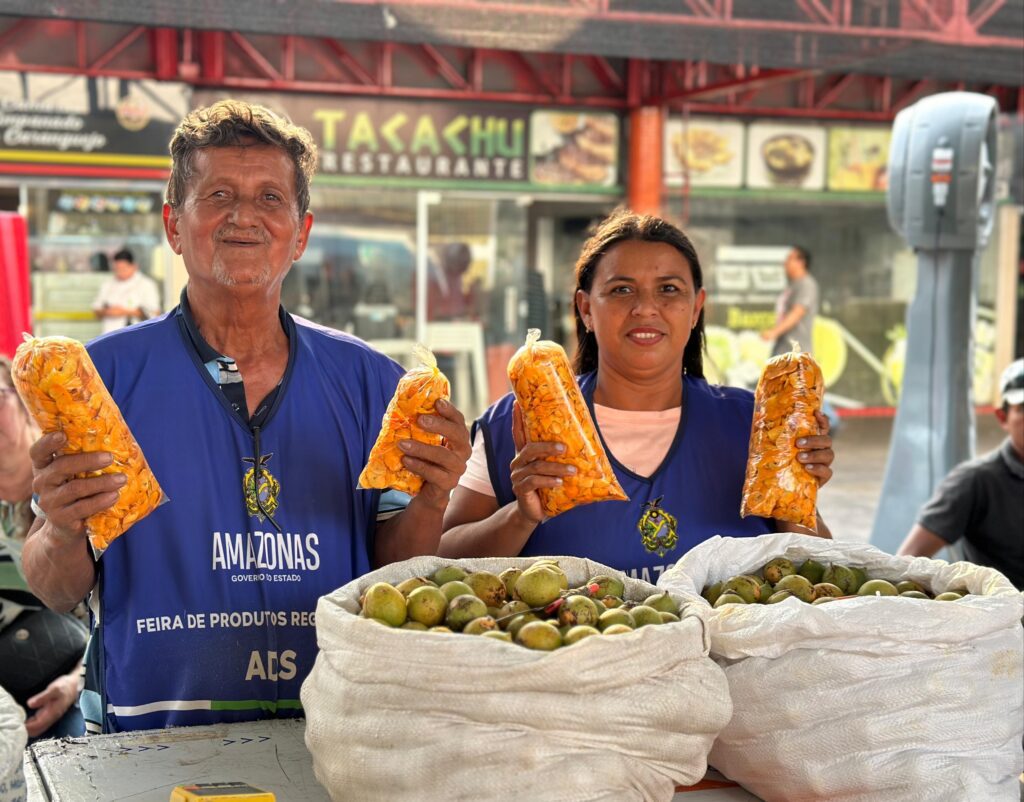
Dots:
pixel 15 299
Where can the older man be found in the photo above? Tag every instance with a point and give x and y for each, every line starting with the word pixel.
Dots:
pixel 256 424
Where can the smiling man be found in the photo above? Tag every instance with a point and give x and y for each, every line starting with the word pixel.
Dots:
pixel 256 424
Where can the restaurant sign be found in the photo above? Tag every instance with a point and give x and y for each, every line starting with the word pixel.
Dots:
pixel 56 125
pixel 428 142
pixel 366 140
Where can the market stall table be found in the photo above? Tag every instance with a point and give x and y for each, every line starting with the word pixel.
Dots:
pixel 144 766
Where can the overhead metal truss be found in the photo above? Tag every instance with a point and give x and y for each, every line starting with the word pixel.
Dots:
pixel 284 62
pixel 971 40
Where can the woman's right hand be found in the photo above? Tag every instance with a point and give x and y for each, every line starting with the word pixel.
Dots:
pixel 68 501
pixel 532 471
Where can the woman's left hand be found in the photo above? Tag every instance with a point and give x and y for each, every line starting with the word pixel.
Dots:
pixel 816 452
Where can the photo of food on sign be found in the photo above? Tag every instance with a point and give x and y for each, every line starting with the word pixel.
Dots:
pixel 703 152
pixel 857 158
pixel 574 148
pixel 782 156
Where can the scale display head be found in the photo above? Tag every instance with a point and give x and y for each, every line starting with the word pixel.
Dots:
pixel 941 164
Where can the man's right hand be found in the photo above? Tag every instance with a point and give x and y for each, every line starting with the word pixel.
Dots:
pixel 68 501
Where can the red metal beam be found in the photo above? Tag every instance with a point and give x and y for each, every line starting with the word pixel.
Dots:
pixel 440 65
pixel 476 71
pixel 984 12
pixel 924 9
pixel 255 56
pixel 251 84
pixel 118 47
pixel 164 44
pixel 331 68
pixel 350 64
pixel 288 58
pixel 701 8
pixel 753 110
pixel 911 93
pixel 211 55
pixel 938 32
pixel 832 93
pixel 527 71
pixel 328 66
pixel 81 47
pixel 815 12
pixel 385 67
pixel 18 30
pixel 602 70
pixel 761 79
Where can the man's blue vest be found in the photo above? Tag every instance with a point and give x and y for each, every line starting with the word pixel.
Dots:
pixel 206 611
pixel 693 495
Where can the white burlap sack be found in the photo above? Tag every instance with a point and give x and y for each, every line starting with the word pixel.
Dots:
pixel 866 700
pixel 402 715
pixel 13 738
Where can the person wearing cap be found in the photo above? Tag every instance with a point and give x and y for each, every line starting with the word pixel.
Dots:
pixel 981 502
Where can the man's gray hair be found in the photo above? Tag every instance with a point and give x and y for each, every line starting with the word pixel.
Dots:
pixel 231 123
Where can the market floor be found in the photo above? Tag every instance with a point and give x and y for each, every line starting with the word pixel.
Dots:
pixel 849 500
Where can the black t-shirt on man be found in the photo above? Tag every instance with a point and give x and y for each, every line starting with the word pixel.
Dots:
pixel 982 503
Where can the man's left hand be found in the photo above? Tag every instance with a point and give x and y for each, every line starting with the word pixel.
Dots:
pixel 440 466
pixel 49 706
pixel 816 452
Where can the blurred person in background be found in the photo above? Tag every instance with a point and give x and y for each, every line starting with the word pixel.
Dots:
pixel 980 504
pixel 447 297
pixel 796 307
pixel 795 312
pixel 53 710
pixel 343 283
pixel 677 444
pixel 129 296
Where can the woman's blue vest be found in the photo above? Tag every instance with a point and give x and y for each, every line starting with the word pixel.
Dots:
pixel 693 495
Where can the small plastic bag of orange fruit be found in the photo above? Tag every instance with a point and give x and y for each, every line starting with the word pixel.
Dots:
pixel 777 484
pixel 63 391
pixel 554 412
pixel 417 392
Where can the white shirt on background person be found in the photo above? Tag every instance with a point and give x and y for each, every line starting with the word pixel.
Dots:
pixel 138 291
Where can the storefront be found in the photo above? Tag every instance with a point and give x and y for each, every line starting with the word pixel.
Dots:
pixel 747 190
pixel 447 223
pixel 85 161
pixel 459 224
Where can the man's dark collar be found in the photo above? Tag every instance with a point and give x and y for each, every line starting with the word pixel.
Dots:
pixel 206 351
pixel 1011 458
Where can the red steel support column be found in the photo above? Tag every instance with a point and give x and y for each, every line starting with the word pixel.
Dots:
pixel 165 53
pixel 645 156
pixel 211 54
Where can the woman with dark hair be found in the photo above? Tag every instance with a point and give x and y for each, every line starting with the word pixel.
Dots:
pixel 678 445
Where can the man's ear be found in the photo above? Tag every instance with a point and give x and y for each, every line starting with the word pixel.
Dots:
pixel 303 239
pixel 1000 413
pixel 171 228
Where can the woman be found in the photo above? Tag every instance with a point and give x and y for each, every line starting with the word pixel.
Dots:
pixel 677 444
pixel 53 712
